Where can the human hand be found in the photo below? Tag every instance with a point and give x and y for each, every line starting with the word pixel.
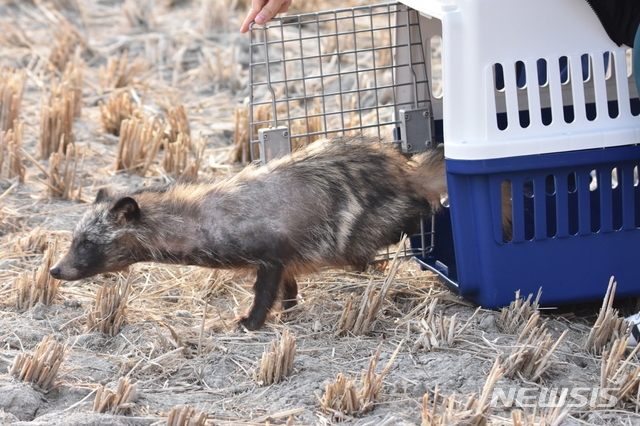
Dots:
pixel 263 10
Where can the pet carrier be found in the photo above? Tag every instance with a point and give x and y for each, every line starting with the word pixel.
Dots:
pixel 539 116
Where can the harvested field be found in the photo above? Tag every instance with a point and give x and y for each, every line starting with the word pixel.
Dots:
pixel 389 346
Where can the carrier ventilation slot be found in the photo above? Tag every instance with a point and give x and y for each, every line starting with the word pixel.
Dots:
pixel 566 204
pixel 562 91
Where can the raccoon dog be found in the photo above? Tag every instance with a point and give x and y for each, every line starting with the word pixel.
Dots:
pixel 334 203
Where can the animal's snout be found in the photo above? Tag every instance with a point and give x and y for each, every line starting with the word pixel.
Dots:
pixel 55 272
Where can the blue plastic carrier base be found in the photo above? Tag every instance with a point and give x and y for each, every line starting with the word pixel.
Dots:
pixel 575 223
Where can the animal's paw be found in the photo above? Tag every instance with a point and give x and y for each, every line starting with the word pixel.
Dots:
pixel 245 322
pixel 289 304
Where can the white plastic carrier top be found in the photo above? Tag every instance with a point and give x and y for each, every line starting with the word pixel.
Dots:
pixel 523 77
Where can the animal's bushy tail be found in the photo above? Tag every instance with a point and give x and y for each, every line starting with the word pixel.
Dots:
pixel 428 180
pixel 427 176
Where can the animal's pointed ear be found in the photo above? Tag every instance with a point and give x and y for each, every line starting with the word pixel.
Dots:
pixel 126 210
pixel 103 194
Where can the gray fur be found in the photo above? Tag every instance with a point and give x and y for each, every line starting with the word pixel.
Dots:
pixel 334 203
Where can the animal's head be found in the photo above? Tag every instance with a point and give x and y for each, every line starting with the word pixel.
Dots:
pixel 103 240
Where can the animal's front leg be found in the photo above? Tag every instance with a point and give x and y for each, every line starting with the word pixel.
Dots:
pixel 265 291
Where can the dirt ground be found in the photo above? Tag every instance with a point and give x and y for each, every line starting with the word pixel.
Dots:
pixel 178 343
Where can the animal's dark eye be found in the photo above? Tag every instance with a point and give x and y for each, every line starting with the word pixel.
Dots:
pixel 88 245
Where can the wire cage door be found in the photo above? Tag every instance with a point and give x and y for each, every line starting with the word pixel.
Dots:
pixel 360 70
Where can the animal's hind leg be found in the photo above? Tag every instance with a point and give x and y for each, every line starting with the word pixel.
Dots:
pixel 289 290
pixel 265 291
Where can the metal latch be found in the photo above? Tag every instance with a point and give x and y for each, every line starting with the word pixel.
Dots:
pixel 274 142
pixel 416 129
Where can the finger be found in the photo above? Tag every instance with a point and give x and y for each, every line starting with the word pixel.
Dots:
pixel 285 6
pixel 271 9
pixel 247 21
pixel 256 6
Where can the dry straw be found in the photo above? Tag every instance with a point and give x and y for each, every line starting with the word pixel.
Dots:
pixel 63 48
pixel 119 107
pixel 359 320
pixel 138 13
pixel 531 357
pixel 177 124
pixel 63 169
pixel 57 22
pixel 11 165
pixel 140 140
pixel 186 416
pixel 312 125
pixel 119 73
pixel 242 141
pixel 277 362
pixel 33 241
pixel 109 312
pixel 60 107
pixel 518 313
pixel 11 89
pixel 177 161
pixel 66 38
pixel 13 35
pixel 620 378
pixel 41 290
pixel 215 16
pixel 60 179
pixel 342 397
pixel 73 76
pixel 157 49
pixel 57 111
pixel 554 417
pixel 221 68
pixel 171 3
pixel 609 326
pixel 473 412
pixel 70 5
pixel 17 2
pixel 439 331
pixel 118 402
pixel 40 368
pixel 8 219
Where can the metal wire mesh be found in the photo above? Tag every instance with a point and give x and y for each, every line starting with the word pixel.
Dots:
pixel 333 73
pixel 337 73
